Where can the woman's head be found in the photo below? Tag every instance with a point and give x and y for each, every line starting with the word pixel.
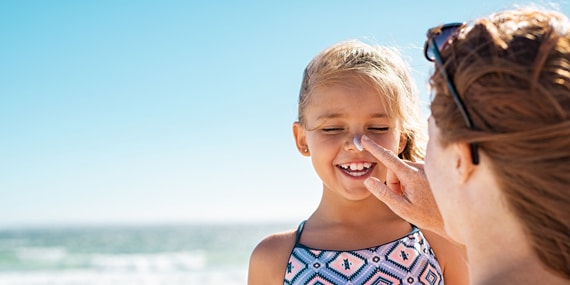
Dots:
pixel 381 68
pixel 512 71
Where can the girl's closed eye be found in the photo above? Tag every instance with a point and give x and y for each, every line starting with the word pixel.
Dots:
pixel 379 129
pixel 332 130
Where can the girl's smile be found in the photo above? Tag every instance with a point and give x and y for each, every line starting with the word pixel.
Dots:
pixel 359 170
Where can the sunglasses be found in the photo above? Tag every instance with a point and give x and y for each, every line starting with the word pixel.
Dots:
pixel 438 40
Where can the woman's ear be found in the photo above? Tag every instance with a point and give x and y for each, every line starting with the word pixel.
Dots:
pixel 300 139
pixel 463 162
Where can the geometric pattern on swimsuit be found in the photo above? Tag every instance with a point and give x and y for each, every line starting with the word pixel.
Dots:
pixel 408 260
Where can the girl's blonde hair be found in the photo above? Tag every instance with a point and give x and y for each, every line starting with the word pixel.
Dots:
pixel 380 67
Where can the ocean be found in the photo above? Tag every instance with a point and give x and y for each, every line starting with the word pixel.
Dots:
pixel 130 255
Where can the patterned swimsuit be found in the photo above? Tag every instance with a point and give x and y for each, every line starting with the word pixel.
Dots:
pixel 408 260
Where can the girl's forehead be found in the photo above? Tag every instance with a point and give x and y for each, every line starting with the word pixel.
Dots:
pixel 347 97
pixel 330 103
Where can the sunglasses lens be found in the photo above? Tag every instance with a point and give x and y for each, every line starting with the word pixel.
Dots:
pixel 429 51
pixel 440 40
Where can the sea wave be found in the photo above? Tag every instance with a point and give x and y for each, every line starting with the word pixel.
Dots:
pixel 59 258
pixel 161 262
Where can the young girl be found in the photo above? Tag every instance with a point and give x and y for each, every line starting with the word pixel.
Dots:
pixel 349 90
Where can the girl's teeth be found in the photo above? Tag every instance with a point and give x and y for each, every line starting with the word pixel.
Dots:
pixel 356 166
pixel 357 169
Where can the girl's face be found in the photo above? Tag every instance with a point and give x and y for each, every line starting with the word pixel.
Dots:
pixel 334 116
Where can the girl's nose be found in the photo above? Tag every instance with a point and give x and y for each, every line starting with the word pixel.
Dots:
pixel 357 142
pixel 354 144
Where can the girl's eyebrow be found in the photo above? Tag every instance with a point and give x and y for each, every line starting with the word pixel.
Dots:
pixel 329 116
pixel 379 115
pixel 339 115
pixel 322 119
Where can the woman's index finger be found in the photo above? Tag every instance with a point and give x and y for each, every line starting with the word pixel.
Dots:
pixel 385 156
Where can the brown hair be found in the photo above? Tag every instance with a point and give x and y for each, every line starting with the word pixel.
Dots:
pixel 380 67
pixel 512 70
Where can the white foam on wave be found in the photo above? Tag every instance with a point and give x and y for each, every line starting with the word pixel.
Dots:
pixel 55 257
pixel 43 254
pixel 158 262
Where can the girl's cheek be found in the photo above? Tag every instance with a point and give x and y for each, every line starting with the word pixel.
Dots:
pixel 328 138
pixel 384 140
pixel 388 141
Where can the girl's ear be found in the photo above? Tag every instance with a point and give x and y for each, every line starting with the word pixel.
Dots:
pixel 301 139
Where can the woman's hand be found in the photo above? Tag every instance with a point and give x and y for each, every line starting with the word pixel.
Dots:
pixel 406 190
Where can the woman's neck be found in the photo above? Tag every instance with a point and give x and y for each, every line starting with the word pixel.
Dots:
pixel 503 255
pixel 518 274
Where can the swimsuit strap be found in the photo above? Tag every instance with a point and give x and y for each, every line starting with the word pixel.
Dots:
pixel 414 228
pixel 299 231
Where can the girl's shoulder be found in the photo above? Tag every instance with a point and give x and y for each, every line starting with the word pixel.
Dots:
pixel 276 242
pixel 269 258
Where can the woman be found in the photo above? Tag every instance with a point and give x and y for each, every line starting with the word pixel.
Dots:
pixel 498 156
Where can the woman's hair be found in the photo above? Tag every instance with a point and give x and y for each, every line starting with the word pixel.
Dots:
pixel 512 70
pixel 380 67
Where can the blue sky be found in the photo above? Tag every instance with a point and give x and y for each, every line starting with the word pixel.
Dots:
pixel 176 111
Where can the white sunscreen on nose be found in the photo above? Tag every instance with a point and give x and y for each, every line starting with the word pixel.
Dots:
pixel 357 143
